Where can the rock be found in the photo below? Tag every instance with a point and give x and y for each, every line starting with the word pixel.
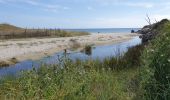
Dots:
pixel 147 37
pixel 150 31
pixel 144 31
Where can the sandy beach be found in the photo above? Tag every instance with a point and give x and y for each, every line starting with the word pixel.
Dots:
pixel 36 48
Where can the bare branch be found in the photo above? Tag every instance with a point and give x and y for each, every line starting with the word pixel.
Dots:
pixel 156 21
pixel 148 19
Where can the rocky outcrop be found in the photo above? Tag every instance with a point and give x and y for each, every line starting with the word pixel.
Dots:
pixel 150 31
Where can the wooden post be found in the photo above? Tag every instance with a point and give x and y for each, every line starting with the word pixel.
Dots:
pixel 65 52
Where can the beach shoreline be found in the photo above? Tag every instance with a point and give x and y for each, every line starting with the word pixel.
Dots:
pixel 17 50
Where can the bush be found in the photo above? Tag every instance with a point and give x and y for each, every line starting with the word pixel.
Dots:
pixel 155 72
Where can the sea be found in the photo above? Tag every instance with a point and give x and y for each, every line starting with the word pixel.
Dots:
pixel 105 30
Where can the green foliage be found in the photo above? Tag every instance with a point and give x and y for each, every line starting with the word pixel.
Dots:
pixel 155 71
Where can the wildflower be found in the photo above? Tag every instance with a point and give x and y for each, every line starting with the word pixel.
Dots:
pixel 56 72
pixel 48 78
pixel 152 50
pixel 169 60
pixel 147 51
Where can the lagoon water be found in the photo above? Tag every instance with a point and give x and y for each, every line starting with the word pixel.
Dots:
pixel 97 52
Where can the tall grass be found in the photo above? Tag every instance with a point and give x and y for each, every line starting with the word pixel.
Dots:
pixel 39 33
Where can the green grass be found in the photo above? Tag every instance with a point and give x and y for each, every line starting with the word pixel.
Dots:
pixel 74 82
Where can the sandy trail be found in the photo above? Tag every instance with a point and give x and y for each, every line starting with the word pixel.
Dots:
pixel 36 48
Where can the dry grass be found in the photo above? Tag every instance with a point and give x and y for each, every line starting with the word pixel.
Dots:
pixel 3 63
pixel 9 32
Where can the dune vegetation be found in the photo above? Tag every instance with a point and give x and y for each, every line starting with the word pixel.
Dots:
pixel 142 73
pixel 8 31
pixel 155 67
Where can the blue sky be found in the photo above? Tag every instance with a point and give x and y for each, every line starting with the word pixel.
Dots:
pixel 82 13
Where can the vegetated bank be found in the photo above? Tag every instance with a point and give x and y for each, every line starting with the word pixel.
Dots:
pixel 141 73
pixel 155 64
pixel 8 31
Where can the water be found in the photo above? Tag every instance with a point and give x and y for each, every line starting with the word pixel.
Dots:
pixel 97 52
pixel 106 30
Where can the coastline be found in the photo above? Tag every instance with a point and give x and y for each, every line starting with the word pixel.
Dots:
pixel 17 50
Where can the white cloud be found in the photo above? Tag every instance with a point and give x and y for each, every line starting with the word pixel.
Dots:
pixel 110 22
pixel 47 7
pixel 32 2
pixel 143 5
pixel 126 3
pixel 164 7
pixel 40 5
pixel 135 4
pixel 159 17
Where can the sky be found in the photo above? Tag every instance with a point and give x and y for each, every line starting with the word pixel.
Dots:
pixel 82 13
